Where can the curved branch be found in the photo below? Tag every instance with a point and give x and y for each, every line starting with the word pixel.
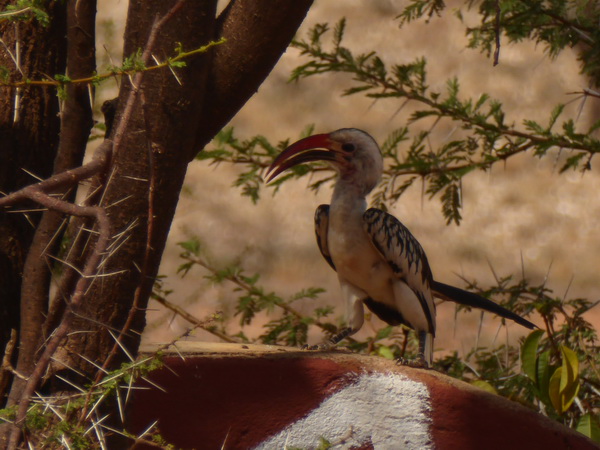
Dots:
pixel 88 276
pixel 256 37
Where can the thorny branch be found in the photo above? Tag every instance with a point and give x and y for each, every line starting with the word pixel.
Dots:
pixel 497 31
pixel 65 179
pixel 245 286
pixel 88 276
pixel 203 324
pixel 6 366
pixel 136 83
pixel 40 193
pixel 169 63
pixel 75 125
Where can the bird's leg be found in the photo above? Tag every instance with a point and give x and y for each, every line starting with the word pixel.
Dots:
pixel 422 358
pixel 333 341
pixel 355 319
pixel 423 347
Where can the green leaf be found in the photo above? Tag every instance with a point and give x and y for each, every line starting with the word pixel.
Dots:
pixel 543 372
pixel 185 268
pixel 386 352
pixel 482 99
pixel 557 111
pixel 4 74
pixel 393 139
pixel 588 426
pixel 554 391
pixel 564 383
pixel 572 162
pixel 531 125
pixel 217 154
pixel 356 89
pixel 62 78
pixel 338 32
pixel 324 444
pixel 570 366
pixel 451 204
pixel 594 127
pixel 529 354
pixel 192 246
pixel 485 386
pixel 384 333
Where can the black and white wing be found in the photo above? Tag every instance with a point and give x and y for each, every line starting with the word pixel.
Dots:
pixel 405 256
pixel 321 227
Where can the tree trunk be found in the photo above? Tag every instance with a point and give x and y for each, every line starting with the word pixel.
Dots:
pixel 29 135
pixel 147 173
pixel 172 119
pixel 164 117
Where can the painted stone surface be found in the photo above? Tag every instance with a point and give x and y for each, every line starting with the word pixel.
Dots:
pixel 215 396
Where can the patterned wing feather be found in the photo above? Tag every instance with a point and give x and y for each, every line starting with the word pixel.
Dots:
pixel 405 256
pixel 321 227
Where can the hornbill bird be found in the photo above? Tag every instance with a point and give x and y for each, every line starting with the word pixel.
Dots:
pixel 379 262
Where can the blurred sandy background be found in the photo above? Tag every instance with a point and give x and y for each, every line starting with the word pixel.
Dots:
pixel 523 211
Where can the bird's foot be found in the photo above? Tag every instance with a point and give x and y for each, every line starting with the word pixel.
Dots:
pixel 319 347
pixel 417 363
pixel 331 343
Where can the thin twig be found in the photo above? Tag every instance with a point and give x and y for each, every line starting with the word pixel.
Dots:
pixel 497 33
pixel 64 179
pixel 248 288
pixel 6 366
pixel 107 75
pixel 192 319
pixel 90 269
pixel 18 12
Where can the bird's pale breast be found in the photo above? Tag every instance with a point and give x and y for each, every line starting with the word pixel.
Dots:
pixel 357 261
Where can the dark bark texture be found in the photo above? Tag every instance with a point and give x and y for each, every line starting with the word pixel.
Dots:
pixel 29 134
pixel 170 124
pixel 75 125
pixel 147 173
pixel 163 118
pixel 257 35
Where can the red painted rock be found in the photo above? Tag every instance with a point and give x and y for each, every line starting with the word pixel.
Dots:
pixel 232 396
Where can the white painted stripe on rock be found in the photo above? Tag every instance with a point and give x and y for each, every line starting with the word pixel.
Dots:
pixel 388 411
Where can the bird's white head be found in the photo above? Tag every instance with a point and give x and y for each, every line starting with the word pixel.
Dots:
pixel 353 153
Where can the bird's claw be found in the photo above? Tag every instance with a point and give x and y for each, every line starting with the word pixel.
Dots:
pixel 319 347
pixel 418 363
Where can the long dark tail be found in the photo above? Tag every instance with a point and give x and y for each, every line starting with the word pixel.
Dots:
pixel 462 297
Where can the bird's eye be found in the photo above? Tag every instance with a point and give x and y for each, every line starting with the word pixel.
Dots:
pixel 348 147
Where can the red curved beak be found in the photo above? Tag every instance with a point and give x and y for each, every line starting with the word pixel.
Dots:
pixel 305 150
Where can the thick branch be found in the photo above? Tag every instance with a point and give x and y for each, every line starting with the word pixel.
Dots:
pixel 120 128
pixel 38 194
pixel 256 37
pixel 134 310
pixel 29 130
pixel 69 178
pixel 156 121
pixel 76 123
